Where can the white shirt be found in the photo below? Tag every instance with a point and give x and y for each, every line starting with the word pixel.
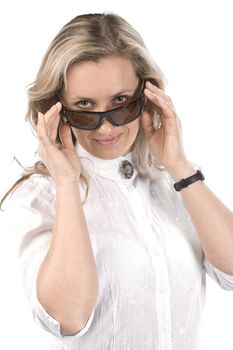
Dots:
pixel 150 263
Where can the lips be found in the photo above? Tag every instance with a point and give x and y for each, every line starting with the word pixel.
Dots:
pixel 109 140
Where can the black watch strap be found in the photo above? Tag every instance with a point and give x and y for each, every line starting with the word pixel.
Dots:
pixel 189 180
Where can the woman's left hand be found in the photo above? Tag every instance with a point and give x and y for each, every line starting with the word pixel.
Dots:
pixel 164 143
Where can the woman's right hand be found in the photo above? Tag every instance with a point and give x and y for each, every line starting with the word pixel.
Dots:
pixel 62 164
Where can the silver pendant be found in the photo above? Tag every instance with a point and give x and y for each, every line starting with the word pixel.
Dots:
pixel 126 169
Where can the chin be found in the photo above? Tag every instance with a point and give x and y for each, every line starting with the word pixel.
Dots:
pixel 110 154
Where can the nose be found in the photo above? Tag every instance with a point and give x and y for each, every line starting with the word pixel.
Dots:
pixel 106 128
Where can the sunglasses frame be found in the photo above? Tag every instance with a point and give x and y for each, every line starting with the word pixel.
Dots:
pixel 103 115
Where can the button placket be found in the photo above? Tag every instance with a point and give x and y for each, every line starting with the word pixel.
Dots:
pixel 153 246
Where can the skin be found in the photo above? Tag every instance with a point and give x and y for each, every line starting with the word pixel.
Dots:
pixel 95 86
pixel 76 290
pixel 101 86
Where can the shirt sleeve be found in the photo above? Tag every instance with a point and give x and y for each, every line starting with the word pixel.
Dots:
pixel 224 280
pixel 31 216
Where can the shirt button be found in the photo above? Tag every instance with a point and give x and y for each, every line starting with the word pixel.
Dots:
pixel 161 289
pixel 157 251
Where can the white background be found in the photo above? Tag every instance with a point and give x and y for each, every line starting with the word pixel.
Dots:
pixel 192 43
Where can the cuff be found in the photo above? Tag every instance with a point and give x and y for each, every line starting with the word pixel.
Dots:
pixel 49 324
pixel 223 279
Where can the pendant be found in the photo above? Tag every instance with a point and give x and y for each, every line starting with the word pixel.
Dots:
pixel 126 169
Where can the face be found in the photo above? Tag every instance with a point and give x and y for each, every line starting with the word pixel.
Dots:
pixel 101 86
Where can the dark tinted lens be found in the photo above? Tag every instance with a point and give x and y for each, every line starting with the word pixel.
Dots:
pixel 82 120
pixel 129 113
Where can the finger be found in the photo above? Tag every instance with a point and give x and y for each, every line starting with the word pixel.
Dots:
pixel 153 88
pixel 147 124
pixel 157 91
pixel 66 137
pixel 56 108
pixel 51 114
pixel 162 105
pixel 52 118
pixel 42 131
pixel 54 128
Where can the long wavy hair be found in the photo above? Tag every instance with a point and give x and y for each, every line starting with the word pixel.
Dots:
pixel 91 37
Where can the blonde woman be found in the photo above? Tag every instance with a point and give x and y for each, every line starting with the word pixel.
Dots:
pixel 117 227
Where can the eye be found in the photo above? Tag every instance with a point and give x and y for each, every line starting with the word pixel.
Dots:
pixel 83 104
pixel 121 99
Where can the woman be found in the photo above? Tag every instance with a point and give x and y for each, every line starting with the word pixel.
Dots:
pixel 114 244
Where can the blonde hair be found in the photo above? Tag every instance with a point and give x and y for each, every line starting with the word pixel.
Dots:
pixel 91 37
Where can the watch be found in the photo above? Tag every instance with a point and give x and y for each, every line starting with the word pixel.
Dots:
pixel 189 180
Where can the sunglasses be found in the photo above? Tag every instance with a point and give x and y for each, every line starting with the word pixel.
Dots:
pixel 118 116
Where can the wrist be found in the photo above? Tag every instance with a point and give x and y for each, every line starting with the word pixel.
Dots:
pixel 67 185
pixel 180 185
pixel 182 171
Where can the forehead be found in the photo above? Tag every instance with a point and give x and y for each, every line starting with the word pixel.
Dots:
pixel 102 78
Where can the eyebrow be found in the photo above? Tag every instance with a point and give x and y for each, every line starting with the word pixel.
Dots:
pixel 122 92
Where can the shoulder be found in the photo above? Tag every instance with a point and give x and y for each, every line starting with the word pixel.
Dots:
pixel 30 207
pixel 36 190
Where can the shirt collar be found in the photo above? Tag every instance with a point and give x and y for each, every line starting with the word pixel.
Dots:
pixel 106 168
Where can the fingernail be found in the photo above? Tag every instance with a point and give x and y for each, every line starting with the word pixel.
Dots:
pixel 57 106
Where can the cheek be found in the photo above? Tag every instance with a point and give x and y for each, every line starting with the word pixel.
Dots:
pixel 80 136
pixel 79 133
pixel 134 127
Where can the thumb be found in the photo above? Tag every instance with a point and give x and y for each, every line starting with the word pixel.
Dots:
pixel 147 124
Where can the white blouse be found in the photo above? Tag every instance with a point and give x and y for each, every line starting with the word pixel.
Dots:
pixel 149 259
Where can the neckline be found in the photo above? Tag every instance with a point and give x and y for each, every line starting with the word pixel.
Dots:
pixel 106 168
